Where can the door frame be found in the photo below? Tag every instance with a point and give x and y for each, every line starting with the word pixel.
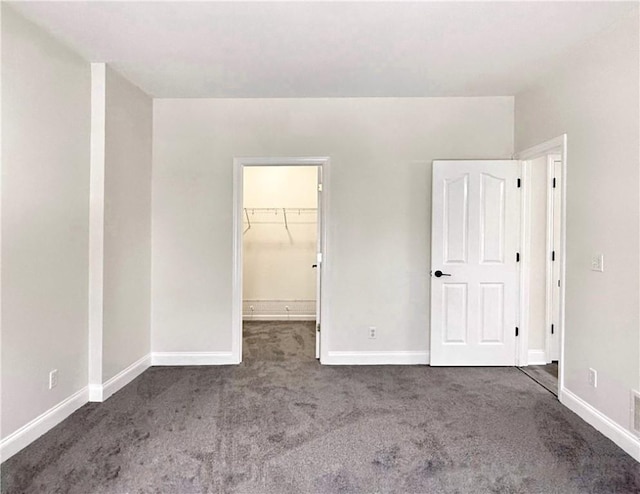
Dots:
pixel 556 146
pixel 236 289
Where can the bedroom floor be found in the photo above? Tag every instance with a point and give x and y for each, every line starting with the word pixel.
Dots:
pixel 282 423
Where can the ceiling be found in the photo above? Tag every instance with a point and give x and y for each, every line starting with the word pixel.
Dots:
pixel 325 49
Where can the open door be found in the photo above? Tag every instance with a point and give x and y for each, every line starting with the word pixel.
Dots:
pixel 474 254
pixel 319 249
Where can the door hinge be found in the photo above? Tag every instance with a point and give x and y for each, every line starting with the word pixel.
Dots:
pixel 318 328
pixel 517 331
pixel 554 182
pixel 558 283
pixel 319 187
pixel 552 329
pixel 553 255
pixel 519 183
pixel 517 256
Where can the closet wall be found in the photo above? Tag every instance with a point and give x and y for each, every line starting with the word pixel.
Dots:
pixel 279 242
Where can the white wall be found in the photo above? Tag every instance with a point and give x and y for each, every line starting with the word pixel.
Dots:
pixel 45 214
pixel 592 95
pixel 127 225
pixel 277 261
pixel 378 217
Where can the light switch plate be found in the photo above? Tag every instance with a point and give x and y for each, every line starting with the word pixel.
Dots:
pixel 597 263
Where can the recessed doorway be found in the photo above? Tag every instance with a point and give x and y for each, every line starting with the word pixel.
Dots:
pixel 279 247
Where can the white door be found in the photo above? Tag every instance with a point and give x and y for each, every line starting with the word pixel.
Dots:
pixel 474 270
pixel 319 248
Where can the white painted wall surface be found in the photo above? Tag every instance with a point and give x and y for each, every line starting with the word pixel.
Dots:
pixel 276 261
pixel 537 254
pixel 593 97
pixel 378 218
pixel 127 225
pixel 45 220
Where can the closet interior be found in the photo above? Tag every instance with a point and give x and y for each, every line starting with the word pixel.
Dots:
pixel 280 231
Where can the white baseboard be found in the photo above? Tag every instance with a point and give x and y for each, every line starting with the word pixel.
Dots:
pixel 96 392
pixel 614 431
pixel 193 358
pixel 376 358
pixel 28 433
pixel 293 317
pixel 100 392
pixel 536 357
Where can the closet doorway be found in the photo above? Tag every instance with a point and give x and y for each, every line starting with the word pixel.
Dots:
pixel 279 251
pixel 543 242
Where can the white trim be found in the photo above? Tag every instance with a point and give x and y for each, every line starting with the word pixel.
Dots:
pixel 236 284
pixel 96 393
pixel 193 358
pixel 99 392
pixel 543 148
pixel 96 221
pixel 525 265
pixel 618 434
pixel 31 431
pixel 549 247
pixel 323 298
pixel 376 358
pixel 280 317
pixel 536 357
pixel 556 145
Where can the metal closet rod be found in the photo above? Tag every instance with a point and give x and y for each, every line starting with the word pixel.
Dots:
pixel 275 210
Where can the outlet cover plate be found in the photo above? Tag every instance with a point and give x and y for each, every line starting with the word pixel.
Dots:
pixel 593 378
pixel 597 263
pixel 53 378
pixel 635 411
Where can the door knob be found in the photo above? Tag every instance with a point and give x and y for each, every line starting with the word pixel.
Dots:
pixel 314 265
pixel 439 273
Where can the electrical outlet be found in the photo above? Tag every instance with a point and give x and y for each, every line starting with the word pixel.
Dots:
pixel 597 263
pixel 53 378
pixel 372 332
pixel 593 378
pixel 635 411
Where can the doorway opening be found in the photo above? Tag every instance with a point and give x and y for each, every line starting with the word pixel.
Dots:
pixel 278 257
pixel 542 275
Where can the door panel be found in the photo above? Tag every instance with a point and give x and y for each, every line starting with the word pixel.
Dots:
pixel 475 230
pixel 455 222
pixel 492 219
pixel 455 312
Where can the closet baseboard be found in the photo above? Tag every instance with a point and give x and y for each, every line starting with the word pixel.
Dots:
pixel 281 317
pixel 279 310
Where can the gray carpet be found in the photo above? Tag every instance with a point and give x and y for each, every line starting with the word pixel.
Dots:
pixel 281 423
pixel 545 375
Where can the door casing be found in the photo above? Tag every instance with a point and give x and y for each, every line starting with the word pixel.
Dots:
pixel 236 295
pixel 556 146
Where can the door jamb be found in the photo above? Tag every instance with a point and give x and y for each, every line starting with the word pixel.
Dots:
pixel 557 145
pixel 236 289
